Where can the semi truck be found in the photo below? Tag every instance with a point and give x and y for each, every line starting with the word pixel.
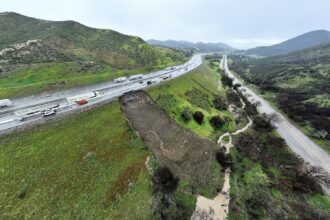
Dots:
pixel 135 77
pixel 120 79
pixel 84 96
pixel 35 110
pixel 5 103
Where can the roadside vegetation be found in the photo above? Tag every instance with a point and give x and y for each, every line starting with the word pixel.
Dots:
pixel 196 99
pixel 268 180
pixel 88 166
pixel 297 84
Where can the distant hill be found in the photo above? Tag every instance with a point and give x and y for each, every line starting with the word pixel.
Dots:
pixel 38 55
pixel 200 46
pixel 78 42
pixel 303 41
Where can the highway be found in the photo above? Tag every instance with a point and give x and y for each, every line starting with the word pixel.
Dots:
pixel 296 140
pixel 10 120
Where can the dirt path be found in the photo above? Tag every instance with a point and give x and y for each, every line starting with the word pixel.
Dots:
pixel 218 207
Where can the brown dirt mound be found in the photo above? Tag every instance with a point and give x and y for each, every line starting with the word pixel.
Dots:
pixel 186 154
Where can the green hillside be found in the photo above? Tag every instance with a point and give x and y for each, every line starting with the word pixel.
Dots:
pixel 298 83
pixel 28 43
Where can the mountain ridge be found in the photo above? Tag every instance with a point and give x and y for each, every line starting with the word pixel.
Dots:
pixel 303 41
pixel 200 46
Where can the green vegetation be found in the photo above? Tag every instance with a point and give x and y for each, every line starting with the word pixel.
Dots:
pixel 268 181
pixel 297 84
pixel 196 91
pixel 85 166
pixel 67 54
pixel 320 202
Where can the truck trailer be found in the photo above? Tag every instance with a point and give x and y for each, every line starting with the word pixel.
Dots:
pixel 120 79
pixel 36 109
pixel 135 77
pixel 5 103
pixel 85 96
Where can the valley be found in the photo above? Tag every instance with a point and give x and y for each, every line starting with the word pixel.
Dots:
pixel 98 124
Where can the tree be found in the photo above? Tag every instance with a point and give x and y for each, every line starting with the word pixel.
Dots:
pixel 216 122
pixel 198 117
pixel 164 181
pixel 186 114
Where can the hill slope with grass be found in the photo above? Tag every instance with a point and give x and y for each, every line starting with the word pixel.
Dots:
pixel 303 41
pixel 33 45
pixel 298 83
pixel 87 166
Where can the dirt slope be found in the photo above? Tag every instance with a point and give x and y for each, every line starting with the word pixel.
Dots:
pixel 185 153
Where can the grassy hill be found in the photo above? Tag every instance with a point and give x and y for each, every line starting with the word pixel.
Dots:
pixel 27 43
pixel 303 41
pixel 87 166
pixel 298 83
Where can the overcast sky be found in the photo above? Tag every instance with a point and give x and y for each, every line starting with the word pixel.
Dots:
pixel 240 23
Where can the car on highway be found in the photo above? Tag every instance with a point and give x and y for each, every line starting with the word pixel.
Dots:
pixel 167 76
pixel 81 102
pixel 151 82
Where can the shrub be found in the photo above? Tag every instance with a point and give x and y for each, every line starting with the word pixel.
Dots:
pixel 219 103
pixel 164 181
pixel 186 114
pixel 198 98
pixel 264 123
pixel 166 102
pixel 234 98
pixel 225 160
pixel 216 122
pixel 226 80
pixel 236 86
pixel 198 117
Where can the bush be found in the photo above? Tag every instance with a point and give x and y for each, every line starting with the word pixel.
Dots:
pixel 219 103
pixel 163 181
pixel 199 98
pixel 226 80
pixel 225 160
pixel 216 122
pixel 236 86
pixel 264 123
pixel 166 102
pixel 186 115
pixel 198 117
pixel 234 98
